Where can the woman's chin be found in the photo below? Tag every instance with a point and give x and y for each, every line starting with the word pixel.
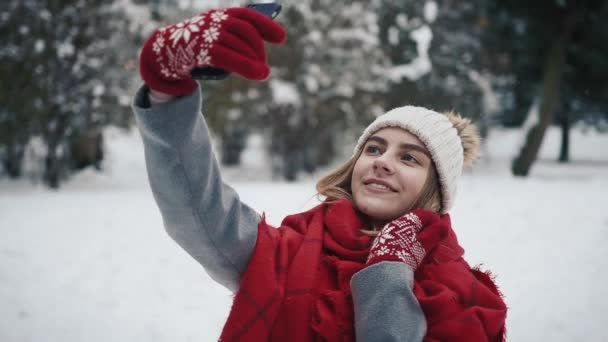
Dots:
pixel 377 211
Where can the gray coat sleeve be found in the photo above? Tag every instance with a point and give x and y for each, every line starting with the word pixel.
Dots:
pixel 200 212
pixel 385 306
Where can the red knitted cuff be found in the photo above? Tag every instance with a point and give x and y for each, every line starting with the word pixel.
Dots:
pixel 379 258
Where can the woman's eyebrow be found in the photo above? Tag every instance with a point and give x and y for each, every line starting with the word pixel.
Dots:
pixel 414 147
pixel 377 139
pixel 403 146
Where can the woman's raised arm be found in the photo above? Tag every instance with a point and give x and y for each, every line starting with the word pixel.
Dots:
pixel 200 212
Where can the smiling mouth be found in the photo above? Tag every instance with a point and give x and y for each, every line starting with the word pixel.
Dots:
pixel 378 186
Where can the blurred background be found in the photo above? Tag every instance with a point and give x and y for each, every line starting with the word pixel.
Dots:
pixel 68 69
pixel 532 74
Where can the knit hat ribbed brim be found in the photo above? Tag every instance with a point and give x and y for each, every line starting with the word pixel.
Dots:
pixel 438 135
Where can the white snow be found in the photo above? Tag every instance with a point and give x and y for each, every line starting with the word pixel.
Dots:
pixel 421 65
pixel 402 21
pixel 138 14
pixel 65 49
pixel 45 14
pixel 315 36
pixel 24 30
pixel 312 85
pixel 39 45
pixel 99 89
pixel 430 11
pixel 490 100
pixel 92 262
pixel 34 158
pixel 360 35
pixel 393 35
pixel 284 92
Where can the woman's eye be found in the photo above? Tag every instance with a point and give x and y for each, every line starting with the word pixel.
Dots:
pixel 371 149
pixel 410 158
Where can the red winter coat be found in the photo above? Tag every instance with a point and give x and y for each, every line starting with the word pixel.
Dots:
pixel 301 272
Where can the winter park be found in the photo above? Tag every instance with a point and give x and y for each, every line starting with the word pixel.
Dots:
pixel 86 255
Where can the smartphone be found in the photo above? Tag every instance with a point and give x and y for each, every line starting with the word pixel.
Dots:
pixel 209 73
pixel 270 9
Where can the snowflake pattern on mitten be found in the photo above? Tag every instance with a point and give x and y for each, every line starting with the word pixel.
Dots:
pixel 397 242
pixel 176 46
pixel 229 39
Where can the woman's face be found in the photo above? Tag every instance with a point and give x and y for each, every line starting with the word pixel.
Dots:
pixel 390 174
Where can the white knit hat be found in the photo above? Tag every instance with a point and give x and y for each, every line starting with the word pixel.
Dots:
pixel 438 135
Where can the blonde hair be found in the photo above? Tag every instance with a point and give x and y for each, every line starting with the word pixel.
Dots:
pixel 337 184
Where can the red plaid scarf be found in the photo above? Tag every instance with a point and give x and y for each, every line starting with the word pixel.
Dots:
pixel 297 284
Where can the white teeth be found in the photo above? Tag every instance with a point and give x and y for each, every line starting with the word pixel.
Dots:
pixel 379 186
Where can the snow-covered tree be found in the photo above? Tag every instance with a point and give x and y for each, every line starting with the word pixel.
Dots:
pixel 64 68
pixel 323 86
pixel 434 50
pixel 553 53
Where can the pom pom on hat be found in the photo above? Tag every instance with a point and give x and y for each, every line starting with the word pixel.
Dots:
pixel 469 136
pixel 451 140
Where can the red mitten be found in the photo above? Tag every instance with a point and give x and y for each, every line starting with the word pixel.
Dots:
pixel 230 39
pixel 397 240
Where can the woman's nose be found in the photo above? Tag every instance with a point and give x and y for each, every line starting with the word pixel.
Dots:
pixel 383 165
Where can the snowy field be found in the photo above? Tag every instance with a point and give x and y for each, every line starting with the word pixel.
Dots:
pixel 92 262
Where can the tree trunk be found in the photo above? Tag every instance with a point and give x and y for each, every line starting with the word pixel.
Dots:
pixel 87 149
pixel 564 151
pixel 234 142
pixel 51 171
pixel 554 66
pixel 54 162
pixel 14 159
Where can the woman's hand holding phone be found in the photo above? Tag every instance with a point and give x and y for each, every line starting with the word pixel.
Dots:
pixel 230 39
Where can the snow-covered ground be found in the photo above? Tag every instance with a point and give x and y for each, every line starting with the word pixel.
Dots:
pixel 91 262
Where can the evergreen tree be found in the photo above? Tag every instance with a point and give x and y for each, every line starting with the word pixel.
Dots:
pixel 552 50
pixel 324 85
pixel 335 75
pixel 434 54
pixel 63 77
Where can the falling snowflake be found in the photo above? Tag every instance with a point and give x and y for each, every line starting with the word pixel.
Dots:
pixel 185 29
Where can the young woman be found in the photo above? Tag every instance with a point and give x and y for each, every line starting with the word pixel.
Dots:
pixel 376 261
